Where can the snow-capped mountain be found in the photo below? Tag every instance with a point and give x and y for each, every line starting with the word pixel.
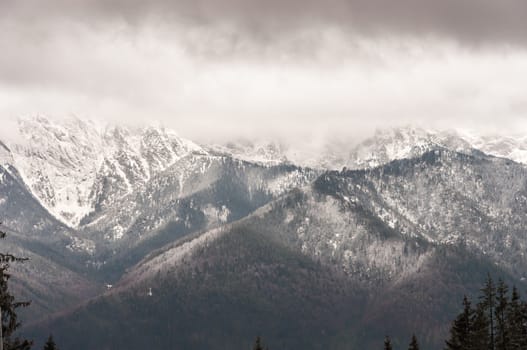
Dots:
pixel 76 167
pixel 441 198
pixel 140 206
pixel 62 162
pixel 401 143
pixel 408 142
pixel 51 277
pixel 320 155
pixel 121 184
pixel 511 147
pixel 266 152
pixel 119 189
pixel 384 146
pixel 99 196
pixel 370 248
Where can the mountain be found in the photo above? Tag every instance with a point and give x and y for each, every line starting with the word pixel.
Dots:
pixel 384 146
pixel 53 278
pixel 447 197
pixel 264 152
pixel 402 143
pixel 314 154
pixel 207 193
pixel 139 232
pixel 222 296
pixel 358 254
pixel 511 147
pixel 96 198
pixel 65 162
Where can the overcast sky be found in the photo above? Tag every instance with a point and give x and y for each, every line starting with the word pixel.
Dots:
pixel 224 68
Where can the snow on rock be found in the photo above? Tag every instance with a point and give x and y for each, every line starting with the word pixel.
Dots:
pixel 262 152
pixel 216 215
pixel 407 142
pixel 401 143
pixel 102 178
pixel 511 147
pixel 288 181
pixel 82 245
pixel 65 162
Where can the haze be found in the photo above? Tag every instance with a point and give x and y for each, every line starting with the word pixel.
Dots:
pixel 290 69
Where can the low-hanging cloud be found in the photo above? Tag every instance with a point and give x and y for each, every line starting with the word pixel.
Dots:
pixel 244 67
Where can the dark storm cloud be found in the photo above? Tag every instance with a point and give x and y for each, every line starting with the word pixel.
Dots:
pixel 469 21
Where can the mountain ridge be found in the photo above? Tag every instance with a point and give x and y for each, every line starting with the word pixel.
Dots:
pixel 64 162
pixel 406 200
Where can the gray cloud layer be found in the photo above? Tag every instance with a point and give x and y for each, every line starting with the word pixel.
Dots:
pixel 286 66
pixel 469 21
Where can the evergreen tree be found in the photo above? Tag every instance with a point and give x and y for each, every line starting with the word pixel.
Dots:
pixel 461 328
pixel 502 322
pixel 516 322
pixel 413 343
pixel 50 344
pixel 9 306
pixel 479 334
pixel 488 301
pixel 505 328
pixel 524 325
pixel 387 343
pixel 258 344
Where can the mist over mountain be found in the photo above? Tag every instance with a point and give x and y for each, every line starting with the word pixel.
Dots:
pixel 227 174
pixel 205 246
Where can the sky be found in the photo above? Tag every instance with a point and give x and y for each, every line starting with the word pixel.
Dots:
pixel 217 69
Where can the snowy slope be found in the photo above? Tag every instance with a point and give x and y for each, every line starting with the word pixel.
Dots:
pixel 108 182
pixel 408 142
pixel 264 152
pixel 383 225
pixel 322 156
pixel 147 198
pixel 63 161
pixel 382 147
pixel 511 147
pixel 402 143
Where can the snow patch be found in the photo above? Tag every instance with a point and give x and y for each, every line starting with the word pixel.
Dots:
pixel 217 215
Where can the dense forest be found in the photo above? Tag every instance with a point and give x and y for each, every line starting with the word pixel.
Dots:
pixel 496 321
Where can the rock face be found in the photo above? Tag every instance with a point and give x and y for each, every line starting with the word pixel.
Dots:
pixel 74 166
pixel 242 239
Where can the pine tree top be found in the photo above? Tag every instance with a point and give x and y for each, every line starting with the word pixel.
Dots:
pixel 414 345
pixel 50 344
pixel 258 344
pixel 387 343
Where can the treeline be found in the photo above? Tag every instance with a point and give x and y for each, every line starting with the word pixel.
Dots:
pixel 414 345
pixel 9 306
pixel 498 321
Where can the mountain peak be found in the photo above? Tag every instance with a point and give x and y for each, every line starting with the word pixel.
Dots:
pixel 60 159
